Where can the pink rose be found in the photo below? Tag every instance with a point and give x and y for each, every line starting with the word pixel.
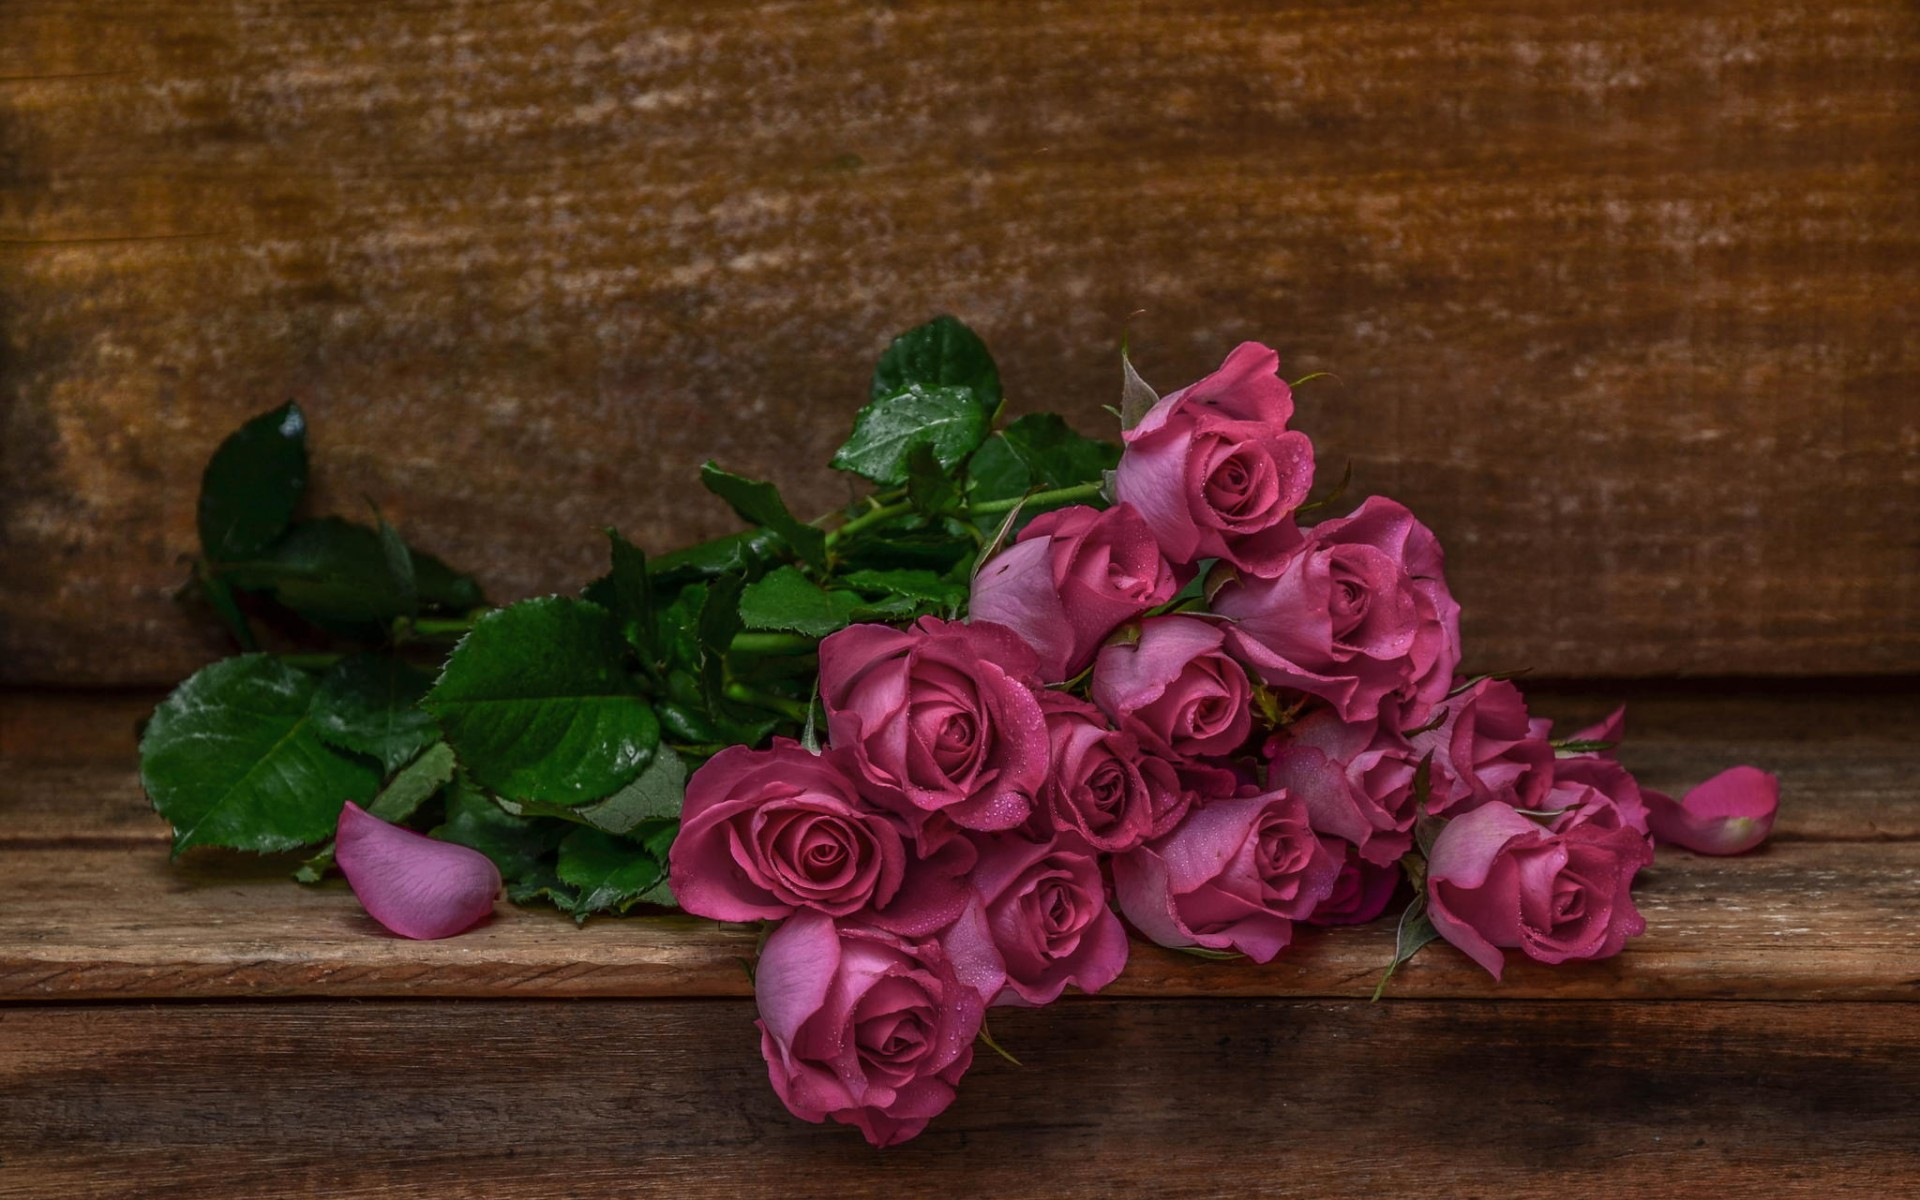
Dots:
pixel 1235 874
pixel 1355 779
pixel 1072 578
pixel 1729 814
pixel 1360 893
pixel 870 1028
pixel 938 719
pixel 1485 751
pixel 1497 880
pixel 1360 616
pixel 1047 908
pixel 765 832
pixel 1177 688
pixel 1214 469
pixel 1102 787
pixel 1591 790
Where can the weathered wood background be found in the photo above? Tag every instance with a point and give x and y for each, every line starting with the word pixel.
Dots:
pixel 1622 298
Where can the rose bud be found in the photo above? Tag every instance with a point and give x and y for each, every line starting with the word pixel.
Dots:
pixel 1072 578
pixel 1360 617
pixel 415 885
pixel 1176 688
pixel 869 1028
pixel 1485 751
pixel 1356 779
pixel 1234 875
pixel 764 833
pixel 1046 906
pixel 940 718
pixel 1101 787
pixel 1729 814
pixel 1214 470
pixel 1360 893
pixel 1499 880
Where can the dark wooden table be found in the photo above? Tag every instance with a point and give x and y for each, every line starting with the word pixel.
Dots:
pixel 208 1028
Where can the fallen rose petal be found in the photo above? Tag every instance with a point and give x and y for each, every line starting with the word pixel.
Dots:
pixel 1729 814
pixel 414 885
pixel 1613 729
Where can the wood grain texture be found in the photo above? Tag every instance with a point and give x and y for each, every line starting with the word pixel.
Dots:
pixel 91 908
pixel 1797 920
pixel 1160 1098
pixel 1621 299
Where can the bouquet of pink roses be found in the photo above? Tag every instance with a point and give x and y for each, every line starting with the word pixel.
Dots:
pixel 951 743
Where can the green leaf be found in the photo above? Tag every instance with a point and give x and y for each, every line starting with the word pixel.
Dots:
pixel 719 621
pixel 1054 455
pixel 737 553
pixel 370 704
pixel 941 353
pixel 335 574
pixel 654 793
pixel 542 885
pixel 931 489
pixel 400 569
pixel 629 595
pixel 610 872
pixel 517 845
pixel 219 596
pixel 914 585
pixel 759 503
pixel 954 421
pixel 232 758
pixel 995 472
pixel 413 785
pixel 538 706
pixel 252 484
pixel 936 550
pixel 787 600
pixel 1415 931
pixel 1038 451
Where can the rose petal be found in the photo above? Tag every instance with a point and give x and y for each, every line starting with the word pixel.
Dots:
pixel 414 885
pixel 1613 729
pixel 1729 814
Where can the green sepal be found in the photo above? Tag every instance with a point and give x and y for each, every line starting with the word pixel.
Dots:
pixel 1415 931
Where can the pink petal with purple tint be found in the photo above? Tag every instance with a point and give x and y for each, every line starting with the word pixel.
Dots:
pixel 416 886
pixel 1729 814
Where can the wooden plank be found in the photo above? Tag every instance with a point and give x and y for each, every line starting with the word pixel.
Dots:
pixel 1797 920
pixel 90 907
pixel 1620 298
pixel 1162 1098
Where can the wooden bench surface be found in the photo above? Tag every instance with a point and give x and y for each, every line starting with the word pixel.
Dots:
pixel 1763 1035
